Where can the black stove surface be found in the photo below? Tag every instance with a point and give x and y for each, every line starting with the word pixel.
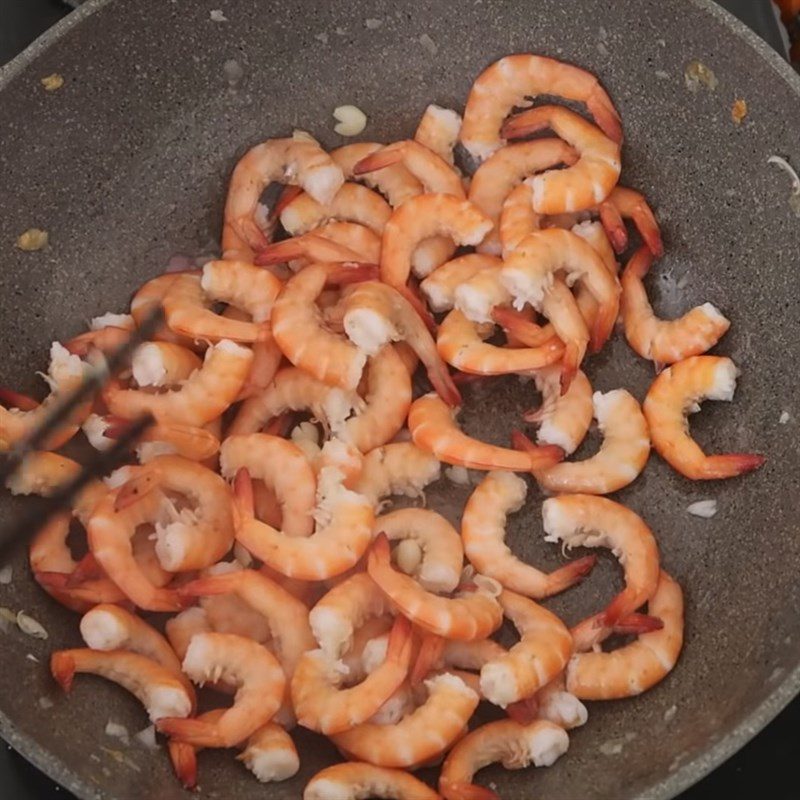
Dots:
pixel 765 765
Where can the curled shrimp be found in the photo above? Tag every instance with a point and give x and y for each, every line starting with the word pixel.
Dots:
pixel 397 468
pixel 342 535
pixel 283 467
pixel 440 286
pixel 433 428
pixel 111 627
pixel 503 170
pixel 678 391
pixel 512 81
pixel 624 203
pixel 421 218
pixel 147 298
pixel 352 203
pixel 353 780
pixel 638 666
pixel 163 364
pixel 344 609
pixel 438 130
pixel 581 520
pixel 516 746
pixel 247 665
pixel 563 419
pixel 376 314
pixel 157 688
pixel 528 274
pixel 582 184
pixel 298 162
pixel 323 705
pixel 472 614
pixel 395 183
pixel 542 652
pixel 298 329
pixel 243 286
pixel 294 389
pixel 665 341
pixel 483 530
pixel 203 397
pixel 461 345
pixel 441 555
pixel 419 736
pixel 64 375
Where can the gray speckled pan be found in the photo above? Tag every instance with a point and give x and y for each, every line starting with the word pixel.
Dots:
pixel 127 164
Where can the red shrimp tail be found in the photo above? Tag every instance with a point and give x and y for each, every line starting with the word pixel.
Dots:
pixel 523 329
pixel 411 294
pixel 526 123
pixel 603 324
pixel 730 465
pixel 614 226
pixel 570 574
pixel 243 496
pixel 135 489
pixel 399 647
pixel 86 569
pixel 115 426
pixel 468 378
pixel 280 425
pixel 287 195
pixel 542 455
pixel 428 658
pixel 11 399
pixel 279 252
pixel 523 711
pixel 380 159
pixel 51 581
pixel 640 263
pixel 62 667
pixel 647 225
pixel 379 554
pixel 211 584
pixel 605 115
pixel 190 730
pixel 617 609
pixel 444 385
pixel 466 791
pixel 349 272
pixel 637 624
pixel 569 365
pixel 184 762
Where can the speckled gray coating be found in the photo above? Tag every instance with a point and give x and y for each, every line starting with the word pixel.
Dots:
pixel 127 164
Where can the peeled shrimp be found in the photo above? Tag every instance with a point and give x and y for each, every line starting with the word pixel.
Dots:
pixel 528 274
pixel 483 530
pixel 440 549
pixel 582 184
pixel 419 736
pixel 440 286
pixel 64 375
pixel 342 535
pixel 510 83
pixel 299 162
pixel 678 391
pixel 638 666
pixel 242 285
pixel 157 688
pixel 352 203
pixel 622 455
pixel 421 218
pixel 397 468
pixel 541 654
pixel 251 668
pixel 472 614
pixel 563 419
pixel 284 468
pixel 433 428
pixel 438 130
pixel 343 610
pixel 355 781
pixel 203 397
pixel 438 654
pixel 297 328
pixel 503 170
pixel 323 705
pixel 163 364
pixel 461 345
pixel 580 520
pixel 376 314
pixel 665 341
pixel 516 746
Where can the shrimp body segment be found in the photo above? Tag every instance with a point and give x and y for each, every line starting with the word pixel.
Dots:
pixel 357 781
pixel 397 468
pixel 677 392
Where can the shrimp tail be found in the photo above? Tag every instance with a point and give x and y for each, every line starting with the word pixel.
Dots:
pixel 730 465
pixel 430 651
pixel 86 569
pixel 468 378
pixel 603 325
pixel 616 610
pixel 184 761
pixel 570 574
pixel 287 195
pixel 380 553
pixel 442 381
pixel 525 124
pixel 636 624
pixel 469 791
pixel 605 115
pixel 280 425
pixel 516 323
pixel 353 272
pixel 542 455
pixel 648 229
pixel 569 365
pixel 279 252
pixel 62 667
pixel 640 263
pixel 380 159
pixel 11 399
pixel 614 226
pixel 210 585
pixel 398 649
pixel 411 293
pixel 523 711
pixel 190 730
pixel 243 497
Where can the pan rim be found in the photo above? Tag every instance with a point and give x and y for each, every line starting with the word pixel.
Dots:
pixel 685 775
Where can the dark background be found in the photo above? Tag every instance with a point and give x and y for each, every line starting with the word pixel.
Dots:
pixel 764 767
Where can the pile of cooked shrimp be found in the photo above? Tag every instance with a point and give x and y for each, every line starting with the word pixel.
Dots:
pixel 254 510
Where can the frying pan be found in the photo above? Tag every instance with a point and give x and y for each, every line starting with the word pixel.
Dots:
pixel 127 164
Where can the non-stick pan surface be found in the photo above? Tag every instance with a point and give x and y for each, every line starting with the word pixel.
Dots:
pixel 127 165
